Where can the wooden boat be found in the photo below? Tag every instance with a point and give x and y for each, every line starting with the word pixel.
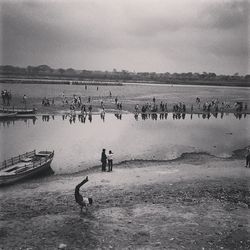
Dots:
pixel 25 165
pixel 4 116
pixel 18 111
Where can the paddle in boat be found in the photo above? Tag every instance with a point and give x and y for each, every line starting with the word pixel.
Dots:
pixel 25 165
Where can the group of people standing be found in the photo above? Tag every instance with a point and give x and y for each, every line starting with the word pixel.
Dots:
pixel 6 97
pixel 107 158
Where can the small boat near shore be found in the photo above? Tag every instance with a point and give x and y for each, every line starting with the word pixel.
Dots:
pixel 18 111
pixel 7 115
pixel 24 166
pixel 15 116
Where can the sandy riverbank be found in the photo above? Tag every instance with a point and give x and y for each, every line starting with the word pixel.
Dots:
pixel 196 202
pixel 128 99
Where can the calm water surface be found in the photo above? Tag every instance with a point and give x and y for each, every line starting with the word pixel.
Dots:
pixel 78 144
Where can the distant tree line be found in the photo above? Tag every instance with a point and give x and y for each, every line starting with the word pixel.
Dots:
pixel 45 71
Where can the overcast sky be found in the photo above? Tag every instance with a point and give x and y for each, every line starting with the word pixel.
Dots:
pixel 136 35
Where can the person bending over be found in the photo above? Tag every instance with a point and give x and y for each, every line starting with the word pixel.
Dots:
pixel 82 201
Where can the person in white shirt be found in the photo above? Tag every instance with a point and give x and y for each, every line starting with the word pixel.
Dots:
pixel 110 161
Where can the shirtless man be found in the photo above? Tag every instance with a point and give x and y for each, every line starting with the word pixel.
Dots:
pixel 82 201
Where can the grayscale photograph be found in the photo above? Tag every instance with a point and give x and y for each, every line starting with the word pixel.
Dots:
pixel 124 124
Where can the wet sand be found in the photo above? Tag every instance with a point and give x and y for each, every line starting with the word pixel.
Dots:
pixel 195 202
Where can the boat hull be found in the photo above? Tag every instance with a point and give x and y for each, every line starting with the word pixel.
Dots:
pixel 13 178
pixel 4 116
pixel 18 111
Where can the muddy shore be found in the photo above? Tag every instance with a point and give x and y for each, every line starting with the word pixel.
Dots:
pixel 195 202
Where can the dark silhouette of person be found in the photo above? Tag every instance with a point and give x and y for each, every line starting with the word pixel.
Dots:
pixel 248 160
pixel 82 201
pixel 104 160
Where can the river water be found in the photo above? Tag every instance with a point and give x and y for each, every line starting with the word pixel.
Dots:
pixel 78 143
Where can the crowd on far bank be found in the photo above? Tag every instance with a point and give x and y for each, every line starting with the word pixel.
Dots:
pixel 86 104
pixel 214 106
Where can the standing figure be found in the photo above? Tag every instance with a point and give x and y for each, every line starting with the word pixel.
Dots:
pixel 104 160
pixel 82 201
pixel 8 97
pixel 248 159
pixel 25 101
pixel 3 96
pixel 110 161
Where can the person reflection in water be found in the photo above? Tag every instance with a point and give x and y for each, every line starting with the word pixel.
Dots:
pixel 103 115
pixel 90 117
pixel 104 160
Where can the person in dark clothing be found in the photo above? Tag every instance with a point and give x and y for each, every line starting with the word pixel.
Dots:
pixel 104 160
pixel 82 201
pixel 248 160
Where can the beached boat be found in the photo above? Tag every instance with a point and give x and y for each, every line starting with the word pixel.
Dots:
pixel 18 111
pixel 25 165
pixel 7 115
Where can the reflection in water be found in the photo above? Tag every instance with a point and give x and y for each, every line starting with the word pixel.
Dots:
pixel 90 117
pixel 179 116
pixel 240 115
pixel 163 116
pixel 45 118
pixel 144 116
pixel 12 121
pixel 82 118
pixel 103 115
pixel 118 115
